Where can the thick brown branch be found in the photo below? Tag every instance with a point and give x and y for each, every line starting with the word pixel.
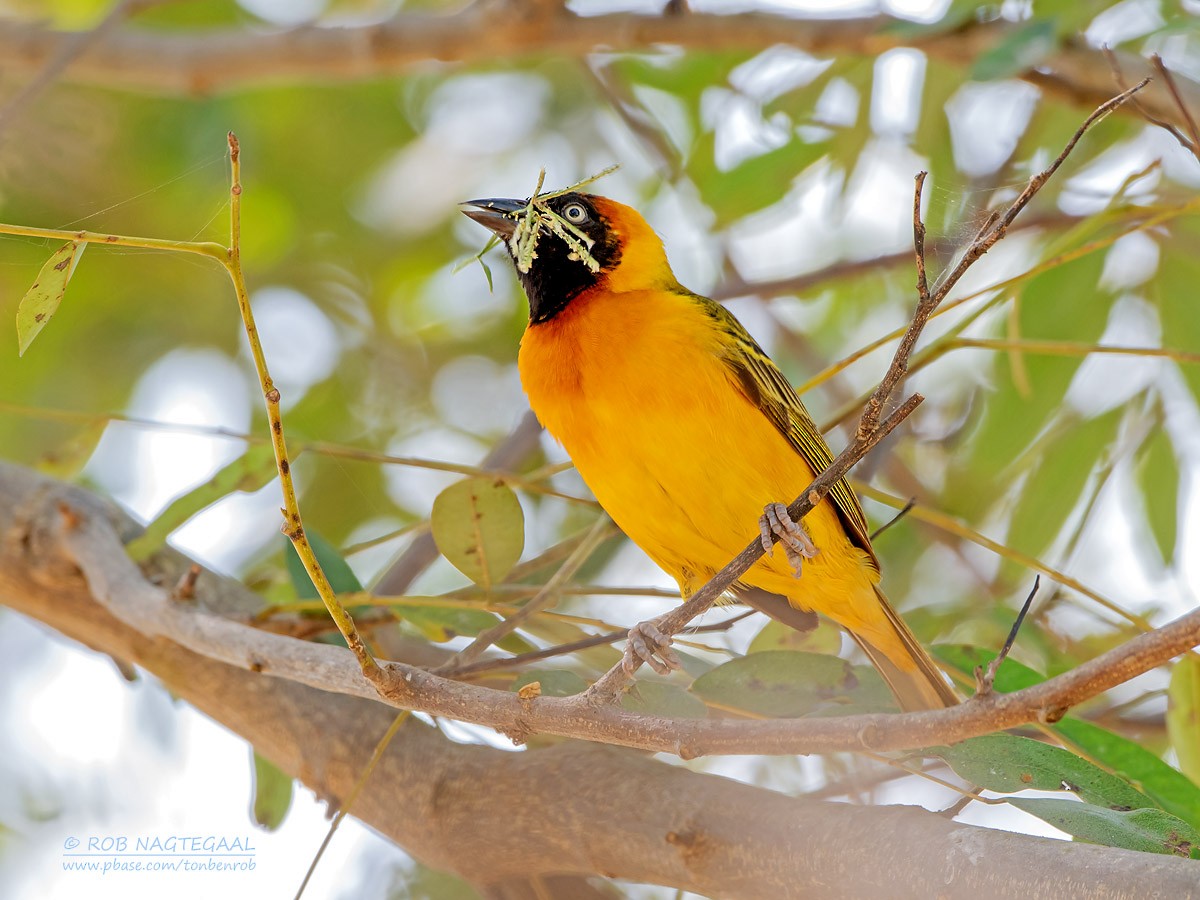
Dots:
pixel 50 529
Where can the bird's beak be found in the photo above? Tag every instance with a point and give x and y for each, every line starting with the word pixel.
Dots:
pixel 498 214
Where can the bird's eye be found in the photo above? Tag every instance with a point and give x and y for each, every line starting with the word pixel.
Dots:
pixel 575 213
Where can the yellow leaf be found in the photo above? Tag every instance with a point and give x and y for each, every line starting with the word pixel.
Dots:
pixel 41 301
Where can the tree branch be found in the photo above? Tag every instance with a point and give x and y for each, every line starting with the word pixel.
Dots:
pixel 52 530
pixel 486 814
pixel 162 62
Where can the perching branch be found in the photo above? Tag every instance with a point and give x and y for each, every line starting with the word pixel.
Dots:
pixel 50 528
pixel 870 430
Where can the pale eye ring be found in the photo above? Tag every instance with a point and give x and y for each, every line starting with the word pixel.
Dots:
pixel 575 213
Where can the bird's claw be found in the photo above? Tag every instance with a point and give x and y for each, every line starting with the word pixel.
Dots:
pixel 649 645
pixel 798 546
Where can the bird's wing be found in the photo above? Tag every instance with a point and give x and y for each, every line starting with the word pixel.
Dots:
pixel 765 387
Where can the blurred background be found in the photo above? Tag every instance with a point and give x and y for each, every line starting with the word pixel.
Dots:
pixel 780 178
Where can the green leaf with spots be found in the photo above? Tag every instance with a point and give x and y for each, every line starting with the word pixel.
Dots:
pixel 479 527
pixel 272 793
pixel 1148 830
pixel 1161 782
pixel 1007 764
pixel 41 301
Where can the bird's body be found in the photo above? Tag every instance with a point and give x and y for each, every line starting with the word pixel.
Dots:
pixel 684 465
pixel 685 430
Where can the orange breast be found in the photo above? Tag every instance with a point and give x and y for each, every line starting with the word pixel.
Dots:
pixel 634 387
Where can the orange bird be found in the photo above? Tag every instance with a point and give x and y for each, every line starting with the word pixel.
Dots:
pixel 685 430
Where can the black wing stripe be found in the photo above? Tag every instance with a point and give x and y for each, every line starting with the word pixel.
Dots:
pixel 766 388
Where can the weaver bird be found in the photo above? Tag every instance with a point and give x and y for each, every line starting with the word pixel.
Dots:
pixel 686 431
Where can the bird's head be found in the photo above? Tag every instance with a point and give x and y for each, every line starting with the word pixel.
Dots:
pixel 627 254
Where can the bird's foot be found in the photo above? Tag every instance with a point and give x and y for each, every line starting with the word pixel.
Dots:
pixel 649 645
pixel 796 542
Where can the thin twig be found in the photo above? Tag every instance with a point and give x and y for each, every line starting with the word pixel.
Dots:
pixel 344 809
pixel 894 519
pixel 1169 80
pixel 293 526
pixel 520 660
pixel 1148 114
pixel 985 678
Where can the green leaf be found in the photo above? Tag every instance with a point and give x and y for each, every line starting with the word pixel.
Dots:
pixel 341 577
pixel 1006 763
pixel 1158 478
pixel 272 794
pixel 1065 459
pixel 781 683
pixel 479 527
pixel 826 638
pixel 1183 714
pixel 1019 50
pixel 41 301
pixel 247 473
pixel 440 624
pixel 754 183
pixel 1161 782
pixel 1063 303
pixel 1174 292
pixel 1148 830
pixel 554 682
pixel 654 698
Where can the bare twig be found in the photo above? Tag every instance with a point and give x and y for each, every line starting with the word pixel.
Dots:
pixel 1168 79
pixel 520 660
pixel 894 519
pixel 870 430
pixel 1147 113
pixel 985 678
pixel 344 808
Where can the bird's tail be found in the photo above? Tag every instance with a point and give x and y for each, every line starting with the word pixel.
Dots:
pixel 914 678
